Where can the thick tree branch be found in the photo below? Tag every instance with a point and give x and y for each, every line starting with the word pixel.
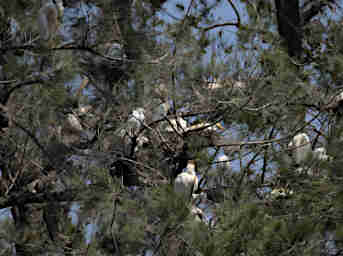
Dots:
pixel 31 198
pixel 289 25
pixel 6 92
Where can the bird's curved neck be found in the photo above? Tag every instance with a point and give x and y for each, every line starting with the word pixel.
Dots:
pixel 191 170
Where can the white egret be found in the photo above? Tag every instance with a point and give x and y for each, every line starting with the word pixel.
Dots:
pixel 212 85
pixel 84 109
pixel 301 146
pixel 141 141
pixel 73 124
pixel 186 182
pixel 278 193
pixel 132 127
pixel 320 154
pixel 135 121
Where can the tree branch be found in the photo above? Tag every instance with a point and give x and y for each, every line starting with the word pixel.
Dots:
pixel 30 198
pixel 236 24
pixel 316 7
pixel 236 12
pixel 222 25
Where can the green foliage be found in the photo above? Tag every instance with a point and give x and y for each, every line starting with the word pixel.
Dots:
pixel 115 173
pixel 170 207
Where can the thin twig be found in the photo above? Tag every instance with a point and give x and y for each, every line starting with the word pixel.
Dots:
pixel 114 238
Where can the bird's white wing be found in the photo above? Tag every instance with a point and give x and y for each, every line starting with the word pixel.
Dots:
pixel 184 184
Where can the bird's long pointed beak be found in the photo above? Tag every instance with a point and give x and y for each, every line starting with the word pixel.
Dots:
pixel 220 126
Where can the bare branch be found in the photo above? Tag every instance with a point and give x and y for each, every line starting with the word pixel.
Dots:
pixel 236 24
pixel 222 25
pixel 236 12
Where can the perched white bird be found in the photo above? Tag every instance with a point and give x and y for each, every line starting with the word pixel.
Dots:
pixel 84 109
pixel 212 85
pixel 141 140
pixel 132 127
pixel 223 161
pixel 138 114
pixel 179 124
pixel 278 193
pixel 320 154
pixel 301 170
pixel 73 124
pixel 186 182
pixel 135 121
pixel 301 146
pixel 48 19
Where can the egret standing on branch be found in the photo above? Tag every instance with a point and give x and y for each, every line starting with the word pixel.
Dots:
pixel 215 84
pixel 135 121
pixel 73 124
pixel 319 157
pixel 320 154
pixel 130 132
pixel 187 182
pixel 301 147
